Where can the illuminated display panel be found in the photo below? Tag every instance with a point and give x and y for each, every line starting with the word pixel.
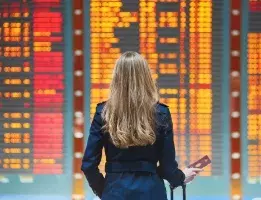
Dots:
pixel 183 47
pixel 32 87
pixel 254 93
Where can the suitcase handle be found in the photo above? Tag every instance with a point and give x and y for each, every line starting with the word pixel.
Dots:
pixel 184 186
pixel 183 192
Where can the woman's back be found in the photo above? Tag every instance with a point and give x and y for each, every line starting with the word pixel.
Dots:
pixel 148 153
pixel 136 132
pixel 132 173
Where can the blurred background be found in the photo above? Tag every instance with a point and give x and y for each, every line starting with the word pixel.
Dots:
pixel 56 60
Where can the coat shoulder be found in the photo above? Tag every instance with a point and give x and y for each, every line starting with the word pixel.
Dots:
pixel 101 103
pixel 100 106
pixel 162 108
pixel 162 104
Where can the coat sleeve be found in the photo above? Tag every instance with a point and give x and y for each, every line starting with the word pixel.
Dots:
pixel 92 156
pixel 168 166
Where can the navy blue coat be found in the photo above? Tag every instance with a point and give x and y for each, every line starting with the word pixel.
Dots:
pixel 132 173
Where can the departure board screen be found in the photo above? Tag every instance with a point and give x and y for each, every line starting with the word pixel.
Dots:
pixel 254 93
pixel 32 87
pixel 182 42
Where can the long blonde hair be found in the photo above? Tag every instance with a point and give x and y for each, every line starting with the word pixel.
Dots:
pixel 129 112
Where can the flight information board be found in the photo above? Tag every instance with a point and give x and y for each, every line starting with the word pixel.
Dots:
pixel 250 98
pixel 254 93
pixel 32 87
pixel 182 41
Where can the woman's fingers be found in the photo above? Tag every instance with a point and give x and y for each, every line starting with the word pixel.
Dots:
pixel 191 173
pixel 196 169
pixel 189 179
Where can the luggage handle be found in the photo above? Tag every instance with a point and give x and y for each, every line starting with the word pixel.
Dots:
pixel 183 192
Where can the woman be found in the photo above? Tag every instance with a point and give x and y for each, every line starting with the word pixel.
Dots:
pixel 137 134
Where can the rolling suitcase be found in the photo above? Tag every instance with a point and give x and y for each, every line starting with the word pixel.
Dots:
pixel 183 192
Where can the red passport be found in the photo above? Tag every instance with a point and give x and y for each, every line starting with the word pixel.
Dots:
pixel 201 163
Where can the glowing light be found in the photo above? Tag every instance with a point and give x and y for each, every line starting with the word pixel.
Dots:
pixel 33 82
pixel 254 105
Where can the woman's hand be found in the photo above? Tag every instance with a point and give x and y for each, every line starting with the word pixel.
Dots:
pixel 190 174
